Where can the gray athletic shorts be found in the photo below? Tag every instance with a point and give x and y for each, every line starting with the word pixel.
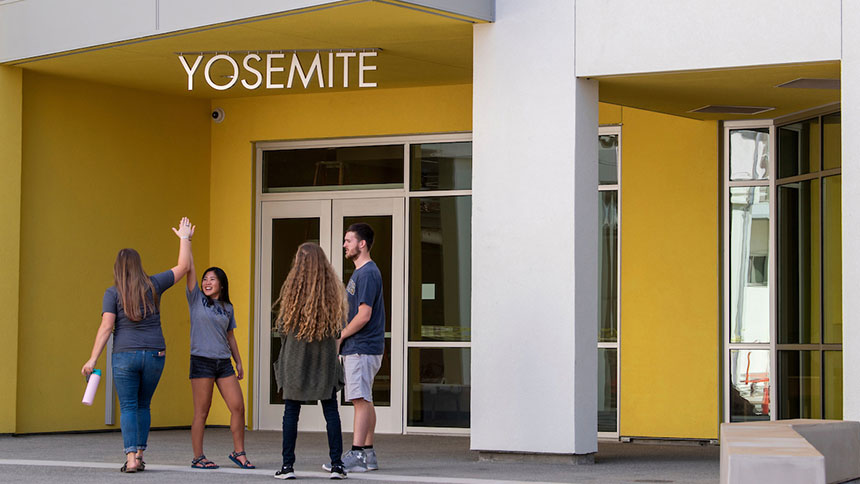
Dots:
pixel 360 371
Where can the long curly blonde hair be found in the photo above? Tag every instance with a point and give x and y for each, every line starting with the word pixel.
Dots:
pixel 312 303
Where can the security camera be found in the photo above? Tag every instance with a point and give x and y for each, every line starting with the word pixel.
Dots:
pixel 218 115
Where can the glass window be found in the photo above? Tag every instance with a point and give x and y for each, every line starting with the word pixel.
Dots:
pixel 440 384
pixel 833 385
pixel 607 159
pixel 748 258
pixel 749 399
pixel 799 384
pixel 832 264
pixel 799 145
pixel 347 168
pixel 799 253
pixel 441 166
pixel 607 390
pixel 607 254
pixel 749 154
pixel 440 268
pixel 831 141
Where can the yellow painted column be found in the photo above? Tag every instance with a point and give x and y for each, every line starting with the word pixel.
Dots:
pixel 10 237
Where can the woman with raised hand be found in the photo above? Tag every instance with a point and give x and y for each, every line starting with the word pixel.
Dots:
pixel 312 311
pixel 212 345
pixel 130 310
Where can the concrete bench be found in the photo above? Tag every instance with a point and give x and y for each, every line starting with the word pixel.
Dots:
pixel 789 451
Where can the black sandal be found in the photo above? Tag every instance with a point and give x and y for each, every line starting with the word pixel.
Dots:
pixel 203 463
pixel 126 470
pixel 141 465
pixel 235 458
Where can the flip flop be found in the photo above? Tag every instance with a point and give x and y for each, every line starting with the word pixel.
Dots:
pixel 235 458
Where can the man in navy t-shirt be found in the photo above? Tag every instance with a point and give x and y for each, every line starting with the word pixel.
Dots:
pixel 362 344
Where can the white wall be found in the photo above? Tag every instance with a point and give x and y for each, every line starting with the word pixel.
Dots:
pixel 850 207
pixel 30 28
pixel 635 36
pixel 534 235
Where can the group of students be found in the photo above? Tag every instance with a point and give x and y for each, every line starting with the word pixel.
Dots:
pixel 332 339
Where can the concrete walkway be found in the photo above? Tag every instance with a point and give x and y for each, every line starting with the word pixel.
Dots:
pixel 96 458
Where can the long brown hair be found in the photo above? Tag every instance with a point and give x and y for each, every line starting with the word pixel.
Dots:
pixel 313 300
pixel 133 284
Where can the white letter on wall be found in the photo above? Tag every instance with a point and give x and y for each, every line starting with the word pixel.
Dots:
pixel 346 56
pixel 232 79
pixel 253 71
pixel 296 65
pixel 330 69
pixel 190 70
pixel 270 70
pixel 362 68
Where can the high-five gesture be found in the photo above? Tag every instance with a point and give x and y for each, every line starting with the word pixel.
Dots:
pixel 185 230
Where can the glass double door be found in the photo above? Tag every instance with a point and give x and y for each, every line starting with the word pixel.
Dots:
pixel 284 226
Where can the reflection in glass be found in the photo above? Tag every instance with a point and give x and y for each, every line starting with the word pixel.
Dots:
pixel 441 166
pixel 440 383
pixel 831 141
pixel 287 235
pixel 750 385
pixel 799 384
pixel 607 390
pixel 749 252
pixel 607 159
pixel 749 152
pixel 799 261
pixel 799 148
pixel 832 264
pixel 345 168
pixel 381 255
pixel 440 268
pixel 833 385
pixel 607 254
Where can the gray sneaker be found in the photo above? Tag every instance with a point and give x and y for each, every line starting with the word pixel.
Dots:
pixel 370 460
pixel 353 461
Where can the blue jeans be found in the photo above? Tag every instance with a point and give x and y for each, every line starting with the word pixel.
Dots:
pixel 332 427
pixel 136 374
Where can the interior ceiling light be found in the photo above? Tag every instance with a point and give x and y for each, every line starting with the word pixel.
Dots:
pixel 716 109
pixel 807 83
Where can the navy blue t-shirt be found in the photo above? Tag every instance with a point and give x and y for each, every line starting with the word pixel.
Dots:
pixel 365 287
pixel 145 334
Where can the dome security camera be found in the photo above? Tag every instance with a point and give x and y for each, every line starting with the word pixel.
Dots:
pixel 218 115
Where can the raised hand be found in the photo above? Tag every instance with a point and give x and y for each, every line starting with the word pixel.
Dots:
pixel 185 230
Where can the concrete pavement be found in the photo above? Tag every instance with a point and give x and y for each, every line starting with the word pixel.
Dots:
pixel 96 458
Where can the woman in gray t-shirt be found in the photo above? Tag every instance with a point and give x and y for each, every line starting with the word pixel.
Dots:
pixel 130 311
pixel 212 345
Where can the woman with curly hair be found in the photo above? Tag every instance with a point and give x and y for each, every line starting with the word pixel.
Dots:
pixel 312 310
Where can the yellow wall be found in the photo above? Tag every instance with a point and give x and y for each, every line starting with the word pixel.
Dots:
pixel 670 263
pixel 290 117
pixel 103 168
pixel 10 220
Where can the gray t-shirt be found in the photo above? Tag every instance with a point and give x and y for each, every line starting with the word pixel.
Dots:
pixel 145 334
pixel 210 321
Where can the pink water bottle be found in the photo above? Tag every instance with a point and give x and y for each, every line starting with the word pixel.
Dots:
pixel 92 387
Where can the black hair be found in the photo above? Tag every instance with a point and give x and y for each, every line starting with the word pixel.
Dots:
pixel 363 232
pixel 224 296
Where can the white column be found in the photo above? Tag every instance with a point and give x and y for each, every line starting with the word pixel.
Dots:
pixel 534 235
pixel 850 207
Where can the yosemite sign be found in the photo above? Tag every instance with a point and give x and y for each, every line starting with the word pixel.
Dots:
pixel 272 68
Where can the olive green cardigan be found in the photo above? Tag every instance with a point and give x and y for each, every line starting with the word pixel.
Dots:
pixel 308 371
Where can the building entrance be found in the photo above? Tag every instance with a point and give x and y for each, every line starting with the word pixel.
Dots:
pixel 284 226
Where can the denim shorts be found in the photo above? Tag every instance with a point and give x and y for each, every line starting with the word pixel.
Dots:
pixel 202 367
